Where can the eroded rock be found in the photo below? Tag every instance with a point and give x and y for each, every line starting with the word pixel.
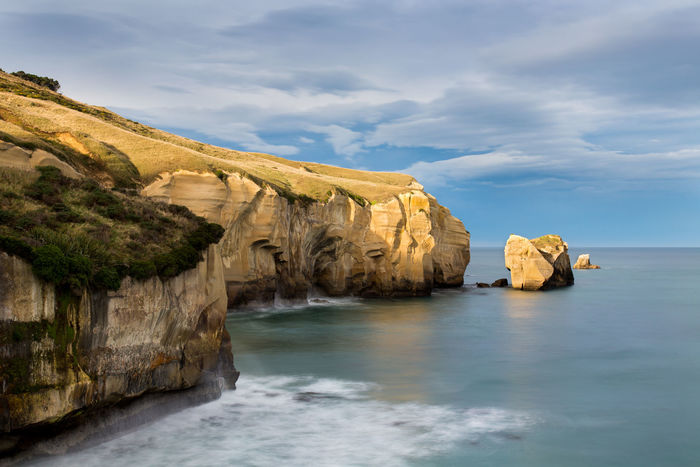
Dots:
pixel 538 264
pixel 60 354
pixel 584 262
pixel 28 159
pixel 404 246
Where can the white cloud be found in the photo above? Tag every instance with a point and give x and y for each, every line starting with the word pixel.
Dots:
pixel 571 87
pixel 344 141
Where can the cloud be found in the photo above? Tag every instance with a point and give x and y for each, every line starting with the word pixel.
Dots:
pixel 564 88
pixel 503 168
pixel 344 141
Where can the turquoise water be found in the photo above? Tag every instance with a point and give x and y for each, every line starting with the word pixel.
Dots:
pixel 606 372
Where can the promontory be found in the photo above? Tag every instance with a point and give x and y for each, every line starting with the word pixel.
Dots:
pixel 122 247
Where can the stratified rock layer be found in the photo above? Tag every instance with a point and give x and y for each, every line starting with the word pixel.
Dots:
pixel 62 353
pixel 404 246
pixel 538 264
pixel 584 262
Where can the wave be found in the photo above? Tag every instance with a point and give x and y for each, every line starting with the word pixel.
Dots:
pixel 301 421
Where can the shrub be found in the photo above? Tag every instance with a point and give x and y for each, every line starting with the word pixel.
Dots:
pixel 44 81
pixel 141 270
pixel 108 278
pixel 50 264
pixel 206 234
pixel 15 247
pixel 6 216
pixel 80 270
pixel 166 265
pixel 223 176
pixel 180 210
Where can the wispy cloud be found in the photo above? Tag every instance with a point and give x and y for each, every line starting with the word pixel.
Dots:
pixel 562 87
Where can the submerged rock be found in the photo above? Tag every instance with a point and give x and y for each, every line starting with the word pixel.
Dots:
pixel 584 262
pixel 538 264
pixel 500 283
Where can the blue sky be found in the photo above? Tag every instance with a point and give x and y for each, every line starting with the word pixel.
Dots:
pixel 529 117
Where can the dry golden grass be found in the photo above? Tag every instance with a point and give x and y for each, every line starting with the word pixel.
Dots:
pixel 34 115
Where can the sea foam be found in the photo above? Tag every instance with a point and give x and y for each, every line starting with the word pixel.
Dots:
pixel 302 421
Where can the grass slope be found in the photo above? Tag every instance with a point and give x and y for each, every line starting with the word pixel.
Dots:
pixel 110 147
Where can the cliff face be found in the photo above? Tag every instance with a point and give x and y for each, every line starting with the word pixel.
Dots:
pixel 404 246
pixel 61 353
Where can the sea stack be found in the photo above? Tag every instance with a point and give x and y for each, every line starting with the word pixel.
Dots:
pixel 584 262
pixel 538 264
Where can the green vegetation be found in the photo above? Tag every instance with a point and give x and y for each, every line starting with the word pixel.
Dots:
pixel 353 196
pixel 43 81
pixel 77 234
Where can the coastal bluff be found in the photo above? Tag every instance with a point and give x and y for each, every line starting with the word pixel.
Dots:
pixel 123 247
pixel 538 264
pixel 404 246
pixel 62 353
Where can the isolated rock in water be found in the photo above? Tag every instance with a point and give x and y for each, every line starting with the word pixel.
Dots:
pixel 482 285
pixel 500 283
pixel 538 264
pixel 584 262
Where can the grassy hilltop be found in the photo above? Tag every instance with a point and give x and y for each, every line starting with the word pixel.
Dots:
pixel 94 230
pixel 125 153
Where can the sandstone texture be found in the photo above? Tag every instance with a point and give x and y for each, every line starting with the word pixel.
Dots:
pixel 20 158
pixel 403 246
pixel 61 353
pixel 584 262
pixel 538 264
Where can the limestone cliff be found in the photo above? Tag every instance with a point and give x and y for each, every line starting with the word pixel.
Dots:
pixel 62 353
pixel 538 264
pixel 404 246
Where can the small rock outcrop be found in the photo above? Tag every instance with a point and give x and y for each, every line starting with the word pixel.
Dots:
pixel 25 159
pixel 500 283
pixel 538 264
pixel 584 262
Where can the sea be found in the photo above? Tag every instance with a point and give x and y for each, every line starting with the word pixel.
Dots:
pixel 603 373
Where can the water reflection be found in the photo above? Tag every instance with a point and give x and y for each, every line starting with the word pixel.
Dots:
pixel 396 351
pixel 522 304
pixel 384 341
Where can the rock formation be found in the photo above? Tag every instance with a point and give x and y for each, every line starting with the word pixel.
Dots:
pixel 19 158
pixel 404 246
pixel 65 353
pixel 538 264
pixel 289 227
pixel 584 262
pixel 500 283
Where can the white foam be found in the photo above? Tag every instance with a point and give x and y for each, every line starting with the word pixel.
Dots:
pixel 301 421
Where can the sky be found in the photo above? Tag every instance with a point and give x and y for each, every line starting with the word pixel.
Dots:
pixel 529 117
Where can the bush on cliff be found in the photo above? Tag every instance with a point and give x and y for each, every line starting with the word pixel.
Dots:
pixel 43 81
pixel 50 264
pixel 77 234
